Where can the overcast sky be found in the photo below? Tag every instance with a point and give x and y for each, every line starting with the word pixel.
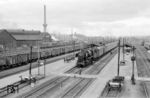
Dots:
pixel 89 17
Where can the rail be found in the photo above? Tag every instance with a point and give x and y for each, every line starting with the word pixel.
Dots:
pixel 48 84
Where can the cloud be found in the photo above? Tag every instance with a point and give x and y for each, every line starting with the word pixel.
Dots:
pixel 4 24
pixel 105 15
pixel 98 17
pixel 97 10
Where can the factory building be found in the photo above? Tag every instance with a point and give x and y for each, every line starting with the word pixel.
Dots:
pixel 11 39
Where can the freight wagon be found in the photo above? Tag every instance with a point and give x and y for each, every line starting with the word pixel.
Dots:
pixel 24 56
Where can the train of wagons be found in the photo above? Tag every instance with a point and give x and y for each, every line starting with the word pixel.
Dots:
pixel 20 57
pixel 90 55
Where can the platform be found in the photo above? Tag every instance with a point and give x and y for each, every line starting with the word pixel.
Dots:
pixel 130 91
pixel 58 66
pixel 13 71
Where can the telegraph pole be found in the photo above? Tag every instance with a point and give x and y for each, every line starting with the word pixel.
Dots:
pixel 38 59
pixel 133 59
pixel 103 45
pixel 74 43
pixel 118 58
pixel 123 52
pixel 123 48
pixel 30 68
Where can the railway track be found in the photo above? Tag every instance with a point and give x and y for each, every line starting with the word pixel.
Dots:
pixel 57 92
pixel 52 84
pixel 74 90
pixel 57 81
pixel 145 90
pixel 113 94
pixel 143 62
pixel 97 66
pixel 77 89
pixel 72 70
pixel 96 69
pixel 104 63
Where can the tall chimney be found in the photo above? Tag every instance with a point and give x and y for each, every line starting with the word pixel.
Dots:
pixel 45 25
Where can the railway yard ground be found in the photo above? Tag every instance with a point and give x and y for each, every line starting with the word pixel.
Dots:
pixel 63 80
pixel 74 49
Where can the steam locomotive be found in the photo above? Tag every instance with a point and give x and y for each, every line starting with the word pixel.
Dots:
pixel 89 55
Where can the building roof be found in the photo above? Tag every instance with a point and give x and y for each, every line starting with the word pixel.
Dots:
pixel 22 31
pixel 25 34
pixel 27 37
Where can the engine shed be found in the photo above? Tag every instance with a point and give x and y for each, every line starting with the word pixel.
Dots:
pixel 12 39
